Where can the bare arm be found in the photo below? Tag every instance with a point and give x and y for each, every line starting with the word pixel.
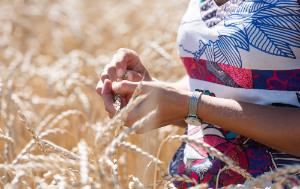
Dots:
pixel 276 127
pixel 181 84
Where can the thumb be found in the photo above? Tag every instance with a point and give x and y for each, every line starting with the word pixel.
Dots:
pixel 124 87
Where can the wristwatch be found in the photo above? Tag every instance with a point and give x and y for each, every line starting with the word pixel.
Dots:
pixel 193 118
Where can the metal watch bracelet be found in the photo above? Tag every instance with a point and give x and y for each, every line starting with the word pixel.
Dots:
pixel 193 104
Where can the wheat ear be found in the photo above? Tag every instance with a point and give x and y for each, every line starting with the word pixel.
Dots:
pixel 135 183
pixel 6 138
pixel 84 169
pixel 138 150
pixel 270 176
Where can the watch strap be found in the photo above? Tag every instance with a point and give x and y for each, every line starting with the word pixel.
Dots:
pixel 193 103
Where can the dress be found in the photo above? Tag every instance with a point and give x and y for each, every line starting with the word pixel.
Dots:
pixel 247 50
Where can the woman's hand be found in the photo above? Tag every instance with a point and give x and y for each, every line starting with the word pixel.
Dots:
pixel 125 65
pixel 171 104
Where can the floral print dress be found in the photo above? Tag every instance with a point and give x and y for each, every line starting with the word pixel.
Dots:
pixel 247 50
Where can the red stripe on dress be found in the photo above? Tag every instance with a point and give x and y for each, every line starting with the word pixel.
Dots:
pixel 284 80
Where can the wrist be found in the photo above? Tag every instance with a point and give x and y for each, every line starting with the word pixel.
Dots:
pixel 192 118
pixel 182 104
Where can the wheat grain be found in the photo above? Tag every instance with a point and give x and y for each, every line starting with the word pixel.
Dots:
pixel 47 145
pixel 6 138
pixel 135 183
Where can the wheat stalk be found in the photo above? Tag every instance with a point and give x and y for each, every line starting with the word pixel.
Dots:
pixel 137 125
pixel 271 176
pixel 6 138
pixel 84 170
pixel 158 156
pixel 179 178
pixel 59 118
pixel 56 159
pixel 140 151
pixel 1 93
pixel 47 145
pixel 118 120
pixel 31 144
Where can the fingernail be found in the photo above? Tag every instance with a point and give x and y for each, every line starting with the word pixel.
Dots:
pixel 120 73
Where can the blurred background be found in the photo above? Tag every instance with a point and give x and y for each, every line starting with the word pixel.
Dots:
pixel 51 56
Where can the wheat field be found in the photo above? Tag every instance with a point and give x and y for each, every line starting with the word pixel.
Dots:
pixel 54 131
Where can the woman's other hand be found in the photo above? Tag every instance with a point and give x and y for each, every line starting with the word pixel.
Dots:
pixel 125 65
pixel 171 104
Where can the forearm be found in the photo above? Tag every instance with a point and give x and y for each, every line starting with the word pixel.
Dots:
pixel 276 127
pixel 181 84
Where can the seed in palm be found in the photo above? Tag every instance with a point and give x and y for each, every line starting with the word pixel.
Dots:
pixel 117 104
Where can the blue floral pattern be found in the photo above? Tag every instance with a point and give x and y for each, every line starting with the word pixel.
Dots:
pixel 271 26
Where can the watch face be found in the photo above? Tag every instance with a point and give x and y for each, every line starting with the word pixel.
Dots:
pixel 193 121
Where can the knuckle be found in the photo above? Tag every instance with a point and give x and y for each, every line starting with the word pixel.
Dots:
pixel 119 63
pixel 111 69
pixel 104 76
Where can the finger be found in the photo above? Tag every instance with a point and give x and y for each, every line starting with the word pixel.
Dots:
pixel 124 87
pixel 108 97
pixel 111 70
pixel 104 76
pixel 99 87
pixel 133 76
pixel 120 61
pixel 124 60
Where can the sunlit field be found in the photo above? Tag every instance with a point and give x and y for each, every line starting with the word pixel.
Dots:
pixel 54 131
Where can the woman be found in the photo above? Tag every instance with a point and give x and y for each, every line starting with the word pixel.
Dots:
pixel 245 55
